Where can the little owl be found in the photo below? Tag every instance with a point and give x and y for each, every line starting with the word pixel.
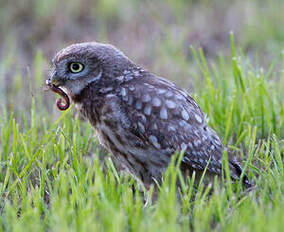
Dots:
pixel 140 118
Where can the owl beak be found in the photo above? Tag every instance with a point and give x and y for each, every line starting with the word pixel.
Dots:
pixel 55 79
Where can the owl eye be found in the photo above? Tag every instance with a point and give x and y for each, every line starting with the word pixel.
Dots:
pixel 76 67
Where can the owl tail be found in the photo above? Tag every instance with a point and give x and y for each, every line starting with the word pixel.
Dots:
pixel 238 170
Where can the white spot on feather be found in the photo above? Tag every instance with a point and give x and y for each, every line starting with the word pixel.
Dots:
pixel 154 141
pixel 163 113
pixel 146 98
pixel 147 110
pixel 156 102
pixel 183 146
pixel 141 127
pixel 131 88
pixel 198 118
pixel 161 91
pixel 138 105
pixel 123 92
pixel 169 94
pixel 170 104
pixel 184 115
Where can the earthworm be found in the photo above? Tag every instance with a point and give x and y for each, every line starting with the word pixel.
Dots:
pixel 59 91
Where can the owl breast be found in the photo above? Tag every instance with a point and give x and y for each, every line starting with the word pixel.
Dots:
pixel 114 130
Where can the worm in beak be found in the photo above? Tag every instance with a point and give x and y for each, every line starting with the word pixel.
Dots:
pixel 59 91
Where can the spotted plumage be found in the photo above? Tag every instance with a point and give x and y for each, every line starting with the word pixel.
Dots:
pixel 140 118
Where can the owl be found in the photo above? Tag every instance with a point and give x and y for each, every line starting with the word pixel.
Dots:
pixel 140 118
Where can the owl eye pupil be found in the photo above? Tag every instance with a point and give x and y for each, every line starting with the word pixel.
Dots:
pixel 76 67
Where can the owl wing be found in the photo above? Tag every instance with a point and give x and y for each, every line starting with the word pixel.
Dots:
pixel 169 120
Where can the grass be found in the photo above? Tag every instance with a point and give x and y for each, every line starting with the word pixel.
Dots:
pixel 52 178
pixel 52 173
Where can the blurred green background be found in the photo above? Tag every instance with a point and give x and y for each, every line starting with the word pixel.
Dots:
pixel 156 34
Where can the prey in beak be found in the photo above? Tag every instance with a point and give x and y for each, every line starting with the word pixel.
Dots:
pixel 59 91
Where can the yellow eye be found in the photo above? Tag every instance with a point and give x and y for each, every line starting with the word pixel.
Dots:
pixel 76 67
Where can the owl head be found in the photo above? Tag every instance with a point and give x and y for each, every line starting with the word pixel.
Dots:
pixel 78 65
